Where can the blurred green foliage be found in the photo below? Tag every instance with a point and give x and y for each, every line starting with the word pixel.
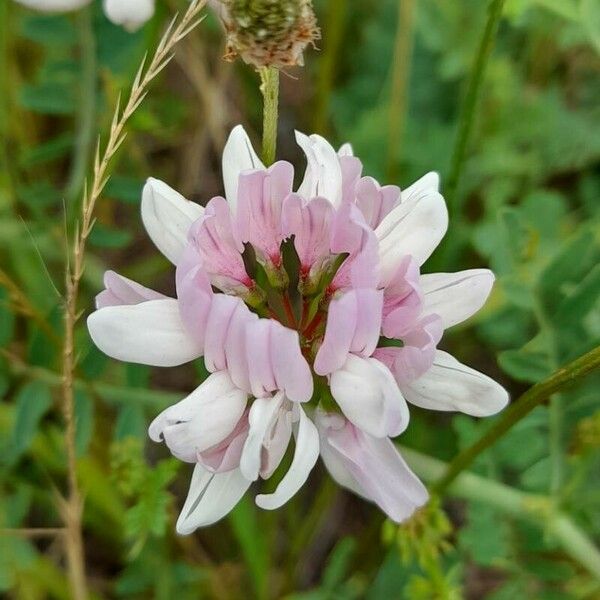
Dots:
pixel 527 206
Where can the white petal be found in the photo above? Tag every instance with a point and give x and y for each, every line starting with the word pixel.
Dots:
pixel 238 156
pixel 261 417
pixel 323 176
pixel 211 497
pixel 131 14
pixel 54 5
pixel 150 333
pixel 202 419
pixel 346 150
pixel 451 386
pixel 430 182
pixel 305 457
pixel 371 467
pixel 338 469
pixel 369 396
pixel 456 296
pixel 167 216
pixel 411 229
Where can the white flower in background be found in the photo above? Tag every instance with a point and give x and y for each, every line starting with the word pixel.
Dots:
pixel 131 14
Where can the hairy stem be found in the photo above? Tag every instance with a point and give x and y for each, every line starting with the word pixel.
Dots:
pixel 534 396
pixel 400 77
pixel 533 508
pixel 72 506
pixel 269 87
pixel 469 105
pixel 84 141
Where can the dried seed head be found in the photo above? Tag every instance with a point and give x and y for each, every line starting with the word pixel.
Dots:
pixel 268 33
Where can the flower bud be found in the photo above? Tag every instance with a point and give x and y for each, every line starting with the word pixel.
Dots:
pixel 268 33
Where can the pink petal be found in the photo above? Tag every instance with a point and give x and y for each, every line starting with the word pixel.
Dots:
pixel 260 198
pixel 258 356
pixel 351 171
pixel 226 455
pixel 220 249
pixel 219 319
pixel 371 466
pixel 403 300
pixel 195 297
pixel 291 371
pixel 353 325
pixel 235 346
pixel 416 356
pixel 350 234
pixel 310 224
pixel 374 201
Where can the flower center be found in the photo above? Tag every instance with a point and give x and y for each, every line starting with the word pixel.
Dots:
pixel 285 290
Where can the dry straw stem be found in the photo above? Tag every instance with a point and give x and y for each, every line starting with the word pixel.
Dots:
pixel 71 508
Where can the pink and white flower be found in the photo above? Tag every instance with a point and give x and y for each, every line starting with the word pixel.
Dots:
pixel 311 314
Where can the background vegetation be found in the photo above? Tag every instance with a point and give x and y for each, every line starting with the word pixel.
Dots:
pixel 391 77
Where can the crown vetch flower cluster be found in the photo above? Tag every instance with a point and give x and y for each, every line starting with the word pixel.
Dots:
pixel 313 319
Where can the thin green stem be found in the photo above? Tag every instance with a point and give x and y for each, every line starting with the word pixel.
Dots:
pixel 113 394
pixel 85 120
pixel 334 34
pixel 536 509
pixel 469 106
pixel 555 413
pixel 403 48
pixel 534 396
pixel 6 168
pixel 269 87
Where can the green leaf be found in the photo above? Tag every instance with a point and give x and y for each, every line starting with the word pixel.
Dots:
pixel 106 237
pixel 48 98
pixel 137 376
pixel 572 262
pixel 84 419
pixel 590 19
pixel 7 318
pixel 39 194
pixel 485 536
pixel 524 365
pixel 41 351
pixel 56 148
pixel 127 189
pixel 249 535
pixel 581 301
pixel 50 30
pixel 32 402
pixel 130 422
pixel 338 563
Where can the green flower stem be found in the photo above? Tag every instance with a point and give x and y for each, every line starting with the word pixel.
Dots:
pixel 400 77
pixel 517 410
pixel 113 394
pixel 469 105
pixel 555 412
pixel 337 11
pixel 269 87
pixel 7 182
pixel 536 509
pixel 86 115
